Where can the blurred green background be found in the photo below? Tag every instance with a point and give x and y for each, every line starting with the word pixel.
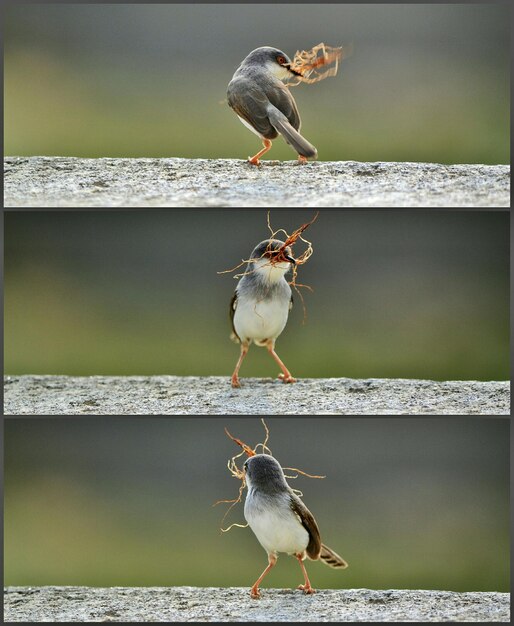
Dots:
pixel 425 83
pixel 409 502
pixel 397 293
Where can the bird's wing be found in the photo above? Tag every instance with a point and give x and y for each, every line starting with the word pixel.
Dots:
pixel 233 305
pixel 309 523
pixel 281 98
pixel 251 104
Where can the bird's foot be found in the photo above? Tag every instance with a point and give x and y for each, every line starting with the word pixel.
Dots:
pixel 235 382
pixel 306 589
pixel 255 593
pixel 287 379
pixel 253 161
pixel 302 160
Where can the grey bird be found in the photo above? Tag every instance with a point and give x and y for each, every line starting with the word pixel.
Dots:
pixel 264 104
pixel 281 521
pixel 261 303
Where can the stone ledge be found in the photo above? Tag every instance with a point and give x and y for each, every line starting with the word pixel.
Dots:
pixel 213 604
pixel 175 182
pixel 211 395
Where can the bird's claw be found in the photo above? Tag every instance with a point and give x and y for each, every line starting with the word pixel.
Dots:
pixel 306 589
pixel 287 379
pixel 235 383
pixel 253 162
pixel 255 594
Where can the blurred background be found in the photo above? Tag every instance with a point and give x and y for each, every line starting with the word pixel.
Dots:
pixel 397 293
pixel 425 83
pixel 409 502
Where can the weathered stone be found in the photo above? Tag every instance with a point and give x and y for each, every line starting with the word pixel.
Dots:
pixel 195 395
pixel 109 182
pixel 213 604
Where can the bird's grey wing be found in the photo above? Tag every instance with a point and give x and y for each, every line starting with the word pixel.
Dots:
pixel 233 305
pixel 309 523
pixel 250 103
pixel 280 97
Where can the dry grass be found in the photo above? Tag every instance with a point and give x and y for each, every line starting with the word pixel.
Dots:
pixel 317 63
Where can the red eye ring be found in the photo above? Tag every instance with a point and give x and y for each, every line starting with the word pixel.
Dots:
pixel 281 60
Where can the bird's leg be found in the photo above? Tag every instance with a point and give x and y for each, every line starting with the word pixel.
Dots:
pixel 235 377
pixel 286 374
pixel 255 159
pixel 254 592
pixel 306 587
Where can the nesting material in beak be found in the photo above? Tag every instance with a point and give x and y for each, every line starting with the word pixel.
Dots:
pixel 311 66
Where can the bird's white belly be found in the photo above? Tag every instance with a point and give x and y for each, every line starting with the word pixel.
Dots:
pixel 264 319
pixel 249 126
pixel 278 533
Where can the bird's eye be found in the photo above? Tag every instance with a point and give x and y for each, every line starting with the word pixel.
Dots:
pixel 281 60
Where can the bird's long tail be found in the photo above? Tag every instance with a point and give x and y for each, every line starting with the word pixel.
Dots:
pixel 331 558
pixel 281 124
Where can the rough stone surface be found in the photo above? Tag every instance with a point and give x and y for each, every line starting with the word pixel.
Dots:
pixel 192 395
pixel 213 604
pixel 107 182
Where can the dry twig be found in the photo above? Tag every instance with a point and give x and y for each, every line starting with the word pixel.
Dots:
pixel 317 63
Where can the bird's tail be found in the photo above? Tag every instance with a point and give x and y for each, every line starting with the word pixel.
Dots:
pixel 329 557
pixel 281 124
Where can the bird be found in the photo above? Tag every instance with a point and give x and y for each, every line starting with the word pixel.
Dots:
pixel 261 302
pixel 264 103
pixel 281 521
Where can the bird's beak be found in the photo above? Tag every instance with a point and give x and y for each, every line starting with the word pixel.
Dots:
pixel 290 259
pixel 288 66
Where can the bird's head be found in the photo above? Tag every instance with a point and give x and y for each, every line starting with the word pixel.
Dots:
pixel 262 471
pixel 271 259
pixel 274 60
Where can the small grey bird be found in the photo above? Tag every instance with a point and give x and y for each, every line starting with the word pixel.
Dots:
pixel 281 521
pixel 264 104
pixel 261 303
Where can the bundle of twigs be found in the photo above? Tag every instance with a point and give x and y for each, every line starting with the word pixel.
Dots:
pixel 317 63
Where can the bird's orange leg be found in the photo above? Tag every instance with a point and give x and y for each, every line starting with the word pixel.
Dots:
pixel 254 592
pixel 301 159
pixel 286 374
pixel 235 376
pixel 306 587
pixel 255 159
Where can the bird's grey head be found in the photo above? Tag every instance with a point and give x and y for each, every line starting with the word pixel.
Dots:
pixel 274 251
pixel 264 473
pixel 271 260
pixel 273 59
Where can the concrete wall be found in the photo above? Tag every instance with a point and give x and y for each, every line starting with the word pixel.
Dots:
pixel 185 604
pixel 192 395
pixel 66 181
